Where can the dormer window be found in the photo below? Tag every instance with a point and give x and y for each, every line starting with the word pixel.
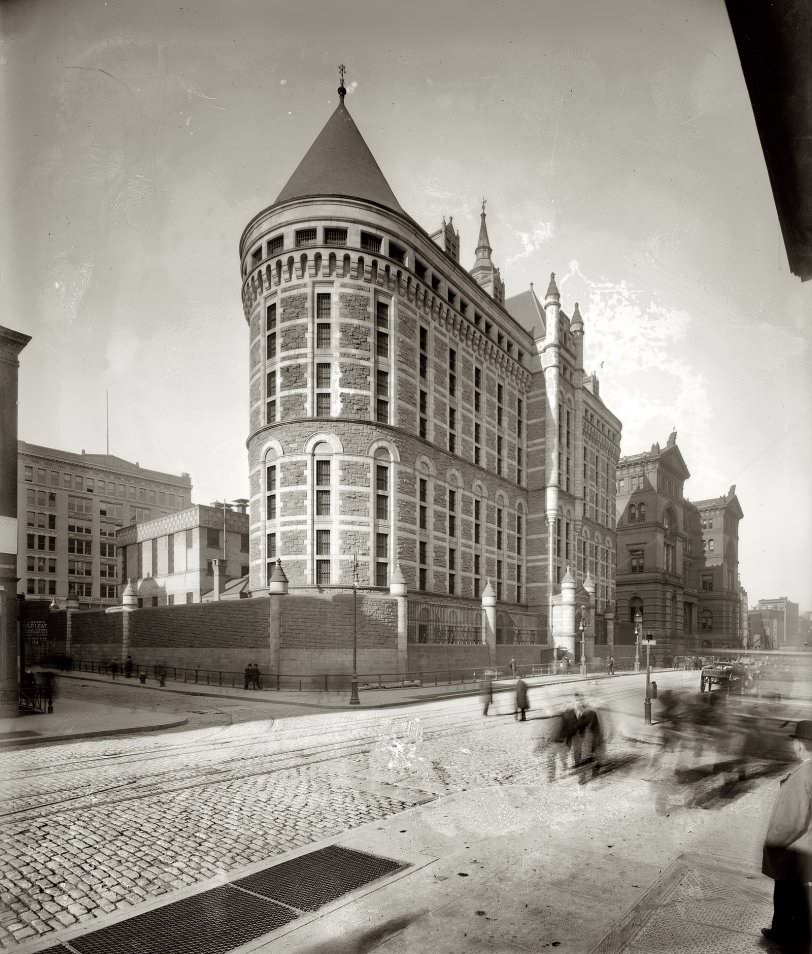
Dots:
pixel 276 245
pixel 397 253
pixel 371 243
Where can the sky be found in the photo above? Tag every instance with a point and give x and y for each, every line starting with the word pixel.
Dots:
pixel 615 144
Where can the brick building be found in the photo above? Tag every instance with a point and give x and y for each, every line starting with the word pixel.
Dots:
pixel 677 560
pixel 405 417
pixel 188 556
pixel 71 506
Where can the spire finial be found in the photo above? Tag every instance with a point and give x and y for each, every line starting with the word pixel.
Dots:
pixel 342 92
pixel 484 200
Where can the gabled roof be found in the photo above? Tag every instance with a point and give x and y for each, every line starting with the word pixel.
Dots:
pixel 340 163
pixel 527 310
pixel 676 462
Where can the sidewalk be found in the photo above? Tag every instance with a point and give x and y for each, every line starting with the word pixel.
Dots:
pixel 489 873
pixel 370 698
pixel 77 719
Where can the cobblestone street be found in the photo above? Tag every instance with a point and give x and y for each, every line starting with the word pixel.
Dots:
pixel 96 827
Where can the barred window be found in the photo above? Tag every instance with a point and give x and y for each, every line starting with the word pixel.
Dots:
pixel 424 413
pixel 333 236
pixel 322 543
pixel 382 397
pixel 270 394
pixel 381 559
pixel 452 571
pixel 322 488
pixel 477 575
pixel 477 521
pixel 370 242
pixel 322 572
pixel 276 245
pixel 305 237
pixel 270 488
pixel 382 329
pixel 323 390
pixel 452 513
pixel 381 492
pixel 498 528
pixel 423 509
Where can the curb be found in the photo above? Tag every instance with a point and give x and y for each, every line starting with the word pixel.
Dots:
pixel 94 734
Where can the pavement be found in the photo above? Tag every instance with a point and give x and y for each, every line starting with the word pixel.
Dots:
pixel 500 859
pixel 78 719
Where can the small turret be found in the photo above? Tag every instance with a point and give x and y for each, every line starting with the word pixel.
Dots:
pixel 484 272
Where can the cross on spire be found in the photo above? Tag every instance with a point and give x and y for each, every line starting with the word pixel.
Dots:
pixel 483 205
pixel 342 92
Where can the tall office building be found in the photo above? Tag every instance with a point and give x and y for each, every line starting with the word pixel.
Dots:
pixel 70 507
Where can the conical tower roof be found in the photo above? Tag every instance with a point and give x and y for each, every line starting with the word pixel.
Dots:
pixel 340 163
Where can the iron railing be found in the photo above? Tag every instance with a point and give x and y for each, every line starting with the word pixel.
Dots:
pixel 330 682
pixel 440 623
pixel 35 699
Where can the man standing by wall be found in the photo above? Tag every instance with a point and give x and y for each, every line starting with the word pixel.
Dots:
pixel 787 856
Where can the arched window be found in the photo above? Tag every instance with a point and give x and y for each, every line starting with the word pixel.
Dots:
pixel 632 513
pixel 706 620
pixel 480 515
pixel 641 512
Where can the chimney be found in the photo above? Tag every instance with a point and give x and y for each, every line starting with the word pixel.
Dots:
pixel 241 503
pixel 219 570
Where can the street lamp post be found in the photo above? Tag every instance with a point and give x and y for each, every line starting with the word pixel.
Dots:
pixel 354 700
pixel 638 625
pixel 582 628
pixel 647 701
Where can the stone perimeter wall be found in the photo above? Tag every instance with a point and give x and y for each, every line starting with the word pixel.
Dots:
pixel 316 634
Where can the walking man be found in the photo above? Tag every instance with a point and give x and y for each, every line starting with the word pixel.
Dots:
pixel 787 855
pixel 611 665
pixel 486 692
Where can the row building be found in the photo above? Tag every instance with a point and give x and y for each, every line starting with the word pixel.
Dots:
pixel 70 509
pixel 409 422
pixel 677 560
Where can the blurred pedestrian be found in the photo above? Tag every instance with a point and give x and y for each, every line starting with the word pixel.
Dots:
pixel 249 676
pixel 256 676
pixel 611 665
pixel 522 702
pixel 114 669
pixel 564 728
pixel 128 666
pixel 787 855
pixel 486 692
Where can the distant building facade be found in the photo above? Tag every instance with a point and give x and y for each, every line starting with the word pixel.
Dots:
pixel 405 414
pixel 70 507
pixel 788 619
pixel 677 560
pixel 186 557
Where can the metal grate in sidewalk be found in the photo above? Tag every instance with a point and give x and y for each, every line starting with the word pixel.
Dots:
pixel 223 918
pixel 315 879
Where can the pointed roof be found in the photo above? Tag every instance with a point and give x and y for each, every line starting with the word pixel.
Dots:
pixel 340 163
pixel 577 322
pixel 552 288
pixel 526 309
pixel 483 243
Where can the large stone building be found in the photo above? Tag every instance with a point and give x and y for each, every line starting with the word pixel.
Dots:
pixel 188 556
pixel 787 617
pixel 71 506
pixel 406 418
pixel 677 560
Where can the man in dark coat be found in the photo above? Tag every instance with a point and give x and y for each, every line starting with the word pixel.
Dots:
pixel 522 703
pixel 486 692
pixel 787 855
